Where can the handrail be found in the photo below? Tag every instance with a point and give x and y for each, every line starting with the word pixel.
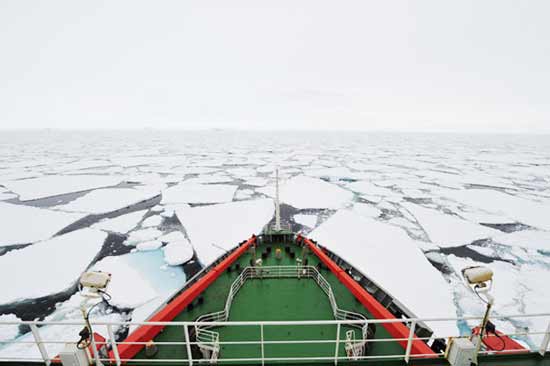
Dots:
pixel 250 272
pixel 49 344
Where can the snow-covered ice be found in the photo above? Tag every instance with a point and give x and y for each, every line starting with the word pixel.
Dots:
pixel 152 221
pixel 143 235
pixel 127 288
pixel 121 224
pixel 27 224
pixel 178 250
pixel 198 193
pixel 215 229
pixel 535 239
pixel 391 259
pixel 305 192
pixel 107 200
pixel 8 332
pixel 306 220
pixel 149 245
pixel 50 266
pixel 525 211
pixel 53 185
pixel 447 230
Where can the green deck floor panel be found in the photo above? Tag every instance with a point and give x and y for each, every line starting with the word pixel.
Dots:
pixel 290 299
pixel 275 299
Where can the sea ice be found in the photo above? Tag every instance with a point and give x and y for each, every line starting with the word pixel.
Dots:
pixel 215 229
pixel 149 245
pixel 198 193
pixel 143 235
pixel 526 211
pixel 306 220
pixel 178 250
pixel 391 259
pixel 57 262
pixel 121 224
pixel 128 288
pixel 305 192
pixel 527 238
pixel 447 230
pixel 152 221
pixel 366 210
pixel 8 332
pixel 107 200
pixel 26 224
pixel 53 185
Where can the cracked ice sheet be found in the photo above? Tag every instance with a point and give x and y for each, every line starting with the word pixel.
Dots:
pixel 447 230
pixel 215 229
pixel 178 250
pixel 121 224
pixel 8 332
pixel 26 224
pixel 58 262
pixel 534 239
pixel 198 193
pixel 305 192
pixel 525 211
pixel 107 200
pixel 387 246
pixel 519 289
pixel 57 333
pixel 128 287
pixel 306 220
pixel 53 185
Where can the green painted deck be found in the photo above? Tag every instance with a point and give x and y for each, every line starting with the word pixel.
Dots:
pixel 290 299
pixel 274 299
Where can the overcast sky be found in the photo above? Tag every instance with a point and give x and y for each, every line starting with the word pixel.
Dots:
pixel 398 65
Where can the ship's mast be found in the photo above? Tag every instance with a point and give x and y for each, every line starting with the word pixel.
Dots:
pixel 277 206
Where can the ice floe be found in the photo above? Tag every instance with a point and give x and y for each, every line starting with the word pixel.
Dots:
pixel 8 332
pixel 127 288
pixel 305 192
pixel 535 239
pixel 178 250
pixel 198 193
pixel 447 230
pixel 391 259
pixel 215 229
pixel 525 211
pixel 149 245
pixel 121 224
pixel 107 200
pixel 143 235
pixel 50 266
pixel 53 185
pixel 306 220
pixel 152 221
pixel 26 224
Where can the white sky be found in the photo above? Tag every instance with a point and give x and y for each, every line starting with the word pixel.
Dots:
pixel 466 65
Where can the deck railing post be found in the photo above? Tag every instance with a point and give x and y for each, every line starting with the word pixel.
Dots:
pixel 409 342
pixel 262 342
pixel 188 344
pixel 545 341
pixel 40 344
pixel 95 351
pixel 337 348
pixel 113 343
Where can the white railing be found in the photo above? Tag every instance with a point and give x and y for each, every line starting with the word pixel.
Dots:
pixel 46 348
pixel 279 272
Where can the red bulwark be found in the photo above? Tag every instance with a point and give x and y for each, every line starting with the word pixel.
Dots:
pixel 397 330
pixel 501 343
pixel 146 333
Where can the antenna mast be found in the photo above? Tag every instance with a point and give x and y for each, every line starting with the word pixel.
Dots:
pixel 277 206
